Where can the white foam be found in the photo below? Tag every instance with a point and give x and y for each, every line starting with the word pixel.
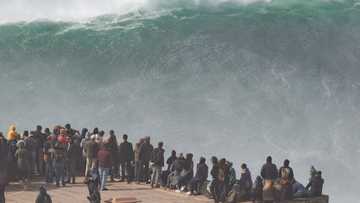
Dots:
pixel 70 10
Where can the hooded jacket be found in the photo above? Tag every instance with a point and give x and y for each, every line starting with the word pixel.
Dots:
pixel 11 136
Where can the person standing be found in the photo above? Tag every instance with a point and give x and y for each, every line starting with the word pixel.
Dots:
pixel 91 148
pixel 138 161
pixel 114 150
pixel 104 161
pixel 74 158
pixel 59 162
pixel 145 153
pixel 126 155
pixel 157 160
pixel 23 163
pixel 3 170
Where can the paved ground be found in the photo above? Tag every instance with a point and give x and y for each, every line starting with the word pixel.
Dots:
pixel 77 194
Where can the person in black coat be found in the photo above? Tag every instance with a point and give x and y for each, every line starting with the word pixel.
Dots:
pixel 4 151
pixel 126 156
pixel 269 170
pixel 43 196
pixel 315 185
pixel 200 176
pixel 145 153
pixel 171 160
pixel 157 164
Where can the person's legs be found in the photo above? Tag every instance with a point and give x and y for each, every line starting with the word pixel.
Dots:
pixel 157 175
pixel 87 167
pixel 153 177
pixel 2 193
pixel 57 173
pixel 123 170
pixel 103 177
pixel 146 172
pixel 101 174
pixel 129 171
pixel 137 171
pixel 34 162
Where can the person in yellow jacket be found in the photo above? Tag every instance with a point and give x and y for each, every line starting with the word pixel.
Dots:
pixel 12 134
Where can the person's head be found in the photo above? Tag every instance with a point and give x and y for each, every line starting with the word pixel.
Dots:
pixel 202 160
pixel 47 131
pixel 286 163
pixel 125 137
pixel 38 128
pixel 173 153
pixel 84 131
pixel 160 145
pixel 112 133
pixel 42 190
pixel 214 160
pixel 268 159
pixel 243 166
pixel 147 140
pixel 319 173
pixel 26 133
pixel 12 128
pixel 96 131
pixel 21 144
pixel 68 126
pixel 181 156
pixel 189 156
pixel 101 133
pixel 258 181
pixel 222 163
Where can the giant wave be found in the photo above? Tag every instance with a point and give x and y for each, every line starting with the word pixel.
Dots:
pixel 239 79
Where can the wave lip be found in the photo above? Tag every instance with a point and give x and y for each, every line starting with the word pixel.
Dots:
pixel 82 10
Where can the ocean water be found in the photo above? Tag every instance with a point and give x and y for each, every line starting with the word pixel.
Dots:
pixel 237 79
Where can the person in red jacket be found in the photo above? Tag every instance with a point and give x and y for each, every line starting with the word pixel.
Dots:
pixel 105 163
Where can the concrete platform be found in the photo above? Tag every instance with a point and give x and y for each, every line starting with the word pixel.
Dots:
pixel 77 194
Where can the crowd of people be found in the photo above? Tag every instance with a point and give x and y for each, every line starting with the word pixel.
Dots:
pixel 61 155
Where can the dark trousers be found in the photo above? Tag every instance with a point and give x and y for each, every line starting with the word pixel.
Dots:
pixel 145 172
pixel 2 193
pixel 49 171
pixel 126 170
pixel 195 184
pixel 59 172
pixel 218 190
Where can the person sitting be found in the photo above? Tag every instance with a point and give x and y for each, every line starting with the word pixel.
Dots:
pixel 298 189
pixel 315 185
pixel 222 181
pixel 176 168
pixel 286 175
pixel 43 196
pixel 165 174
pixel 200 177
pixel 214 174
pixel 245 182
pixel 269 173
pixel 257 190
pixel 187 173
